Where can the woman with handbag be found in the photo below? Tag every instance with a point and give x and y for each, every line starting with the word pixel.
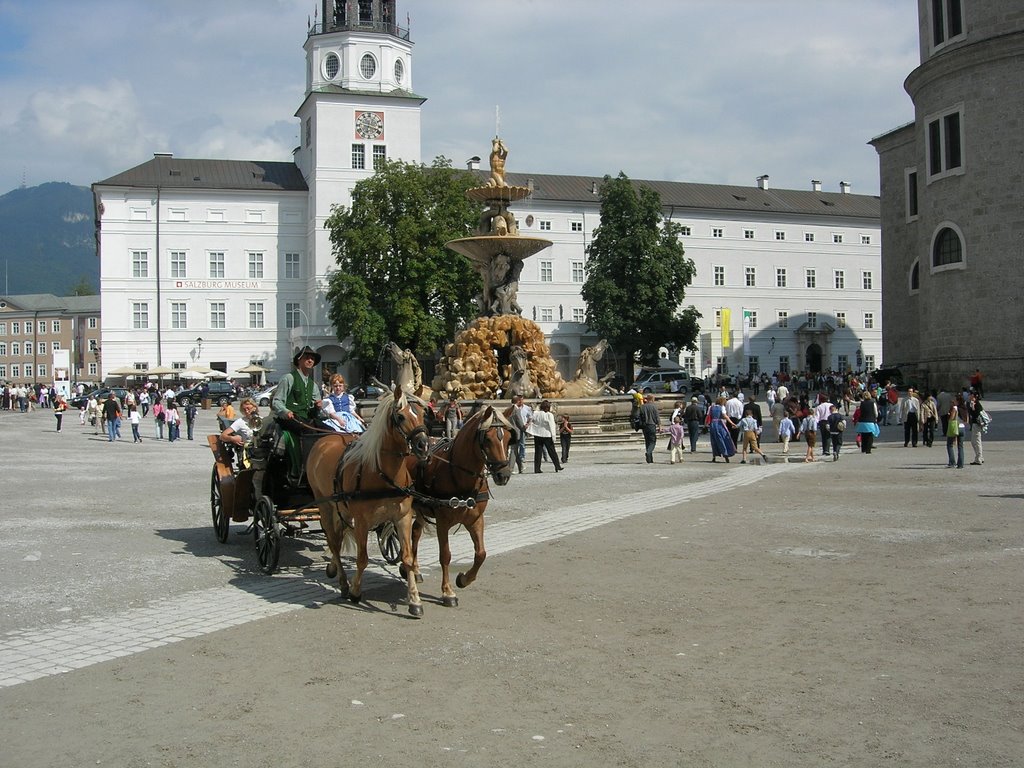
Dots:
pixel 955 433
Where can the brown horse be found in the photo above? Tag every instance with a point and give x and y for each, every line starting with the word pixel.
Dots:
pixel 455 477
pixel 369 483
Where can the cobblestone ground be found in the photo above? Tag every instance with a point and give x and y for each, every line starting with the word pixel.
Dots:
pixel 703 614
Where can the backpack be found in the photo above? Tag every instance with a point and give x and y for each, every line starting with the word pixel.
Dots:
pixel 984 420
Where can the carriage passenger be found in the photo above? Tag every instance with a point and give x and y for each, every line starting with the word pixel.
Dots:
pixel 339 408
pixel 242 430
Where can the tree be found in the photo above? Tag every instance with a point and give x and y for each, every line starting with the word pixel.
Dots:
pixel 395 280
pixel 637 274
pixel 82 288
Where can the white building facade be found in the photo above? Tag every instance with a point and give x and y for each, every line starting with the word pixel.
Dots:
pixel 221 263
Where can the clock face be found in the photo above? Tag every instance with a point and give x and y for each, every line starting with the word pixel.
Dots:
pixel 370 125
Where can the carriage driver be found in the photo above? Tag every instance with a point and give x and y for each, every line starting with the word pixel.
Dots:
pixel 295 402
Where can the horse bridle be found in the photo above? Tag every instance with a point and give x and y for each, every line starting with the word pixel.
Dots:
pixel 396 422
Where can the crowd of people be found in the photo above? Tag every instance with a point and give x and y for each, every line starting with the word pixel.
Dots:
pixel 815 410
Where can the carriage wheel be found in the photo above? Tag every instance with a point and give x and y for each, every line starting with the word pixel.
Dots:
pixel 389 543
pixel 220 517
pixel 267 533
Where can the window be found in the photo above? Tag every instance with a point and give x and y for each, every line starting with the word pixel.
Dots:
pixel 716 232
pixel 217 264
pixel 332 65
pixel 783 319
pixel 15 328
pixel 719 275
pixel 140 314
pixel 255 314
pixel 780 277
pixel 367 66
pixel 93 369
pixel 15 371
pixel 179 314
pixel 579 315
pixel 255 264
pixel 837 237
pixel 545 272
pixel 292 265
pixel 42 326
pixel 947 22
pixel 869 362
pixel 841 319
pixel 752 318
pixel 945 144
pixel 54 346
pixel 722 365
pixel 3 371
pixel 218 314
pixel 292 315
pixel 844 362
pixel 576 226
pixel 140 264
pixel 865 280
pixel 754 365
pixel 869 320
pixel 685 231
pixel 28 349
pixel 41 370
pixel 748 234
pixel 547 315
pixel 254 217
pixel 915 277
pixel 808 237
pixel 911 180
pixel 3 347
pixel 865 239
pixel 3 329
pixel 947 248
pixel 358 157
pixel 780 235
pixel 177 214
pixel 750 276
pixel 178 264
pixel 718 318
pixel 545 226
pixel 55 326
pixel 380 156
pixel 812 319
pixel 839 276
pixel 578 274
pixel 811 278
pixel 309 131
pixel 93 322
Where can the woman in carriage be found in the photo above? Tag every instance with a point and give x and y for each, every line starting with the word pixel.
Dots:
pixel 339 408
pixel 241 431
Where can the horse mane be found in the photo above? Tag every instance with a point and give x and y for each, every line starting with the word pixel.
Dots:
pixel 367 449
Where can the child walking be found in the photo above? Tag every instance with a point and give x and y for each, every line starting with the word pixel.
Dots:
pixel 675 440
pixel 809 429
pixel 134 418
pixel 748 432
pixel 786 433
pixel 836 426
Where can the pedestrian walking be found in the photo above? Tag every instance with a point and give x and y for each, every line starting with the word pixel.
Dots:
pixel 521 416
pixel 675 440
pixel 836 427
pixel 542 427
pixel 748 432
pixel 135 418
pixel 190 418
pixel 565 431
pixel 809 431
pixel 59 406
pixel 978 421
pixel 650 425
pixel 693 416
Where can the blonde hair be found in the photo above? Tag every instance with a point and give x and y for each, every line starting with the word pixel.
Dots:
pixel 337 378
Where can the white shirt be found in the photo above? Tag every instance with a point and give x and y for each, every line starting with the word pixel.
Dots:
pixel 543 424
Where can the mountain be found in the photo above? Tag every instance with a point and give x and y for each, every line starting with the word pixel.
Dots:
pixel 47 240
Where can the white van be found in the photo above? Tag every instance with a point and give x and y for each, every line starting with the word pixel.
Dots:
pixel 662 381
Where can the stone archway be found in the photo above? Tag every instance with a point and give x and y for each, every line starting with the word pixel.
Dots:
pixel 813 358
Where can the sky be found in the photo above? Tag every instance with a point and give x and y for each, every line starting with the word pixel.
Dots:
pixel 709 91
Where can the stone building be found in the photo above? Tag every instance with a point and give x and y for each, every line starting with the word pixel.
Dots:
pixel 952 222
pixel 35 326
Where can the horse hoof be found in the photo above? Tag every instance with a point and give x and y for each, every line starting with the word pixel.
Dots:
pixel 332 571
pixel 419 577
pixel 354 599
pixel 450 602
pixel 402 572
pixel 460 581
pixel 416 611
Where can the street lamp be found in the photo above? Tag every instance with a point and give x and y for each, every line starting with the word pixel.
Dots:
pixel 199 343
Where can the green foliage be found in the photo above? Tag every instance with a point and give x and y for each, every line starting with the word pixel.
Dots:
pixel 637 274
pixel 82 288
pixel 395 280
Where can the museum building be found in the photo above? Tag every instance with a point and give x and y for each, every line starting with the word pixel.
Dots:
pixel 221 263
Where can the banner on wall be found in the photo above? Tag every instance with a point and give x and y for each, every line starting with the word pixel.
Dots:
pixel 746 332
pixel 726 323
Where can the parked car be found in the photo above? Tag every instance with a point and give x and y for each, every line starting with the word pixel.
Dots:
pixel 367 392
pixel 664 380
pixel 263 397
pixel 220 392
pixel 81 401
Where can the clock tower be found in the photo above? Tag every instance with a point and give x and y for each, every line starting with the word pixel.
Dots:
pixel 359 110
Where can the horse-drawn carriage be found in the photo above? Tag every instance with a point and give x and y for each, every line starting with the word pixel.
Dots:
pixel 372 482
pixel 260 494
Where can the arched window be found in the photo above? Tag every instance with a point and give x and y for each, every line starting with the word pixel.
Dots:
pixel 947 248
pixel 915 277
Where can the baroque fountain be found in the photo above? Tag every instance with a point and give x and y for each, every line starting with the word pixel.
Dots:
pixel 501 350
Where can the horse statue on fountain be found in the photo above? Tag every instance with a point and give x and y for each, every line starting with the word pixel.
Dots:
pixel 410 376
pixel 586 383
pixel 520 382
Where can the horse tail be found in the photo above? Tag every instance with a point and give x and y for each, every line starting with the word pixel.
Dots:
pixel 349 545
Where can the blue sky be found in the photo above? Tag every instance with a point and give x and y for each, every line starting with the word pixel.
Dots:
pixel 715 91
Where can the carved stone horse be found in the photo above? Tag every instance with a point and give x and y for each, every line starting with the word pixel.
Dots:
pixel 410 375
pixel 585 383
pixel 455 473
pixel 369 483
pixel 520 382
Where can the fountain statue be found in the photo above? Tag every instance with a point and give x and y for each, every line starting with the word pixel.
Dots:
pixel 500 350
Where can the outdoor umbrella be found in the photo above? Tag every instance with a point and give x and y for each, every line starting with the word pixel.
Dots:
pixel 160 371
pixel 125 370
pixel 253 368
pixel 191 375
pixel 216 375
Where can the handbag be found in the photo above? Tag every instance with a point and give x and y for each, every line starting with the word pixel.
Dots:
pixel 953 430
